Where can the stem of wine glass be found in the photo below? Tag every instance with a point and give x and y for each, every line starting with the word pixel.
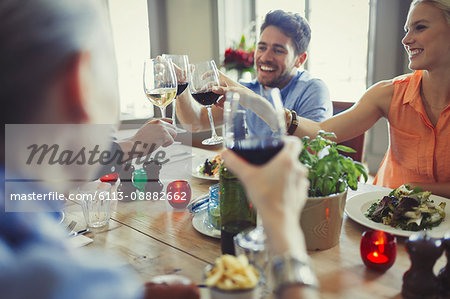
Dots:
pixel 163 111
pixel 173 110
pixel 211 122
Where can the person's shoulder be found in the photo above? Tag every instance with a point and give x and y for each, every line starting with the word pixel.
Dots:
pixel 305 78
pixel 406 78
pixel 304 75
pixel 384 88
pixel 388 86
pixel 380 95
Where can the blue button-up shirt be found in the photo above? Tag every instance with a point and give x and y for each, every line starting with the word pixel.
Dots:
pixel 308 96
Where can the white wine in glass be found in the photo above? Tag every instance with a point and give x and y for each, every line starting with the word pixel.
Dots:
pixel 160 83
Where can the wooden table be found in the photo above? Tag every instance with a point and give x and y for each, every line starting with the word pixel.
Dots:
pixel 154 240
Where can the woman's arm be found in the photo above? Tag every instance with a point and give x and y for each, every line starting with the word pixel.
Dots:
pixel 373 105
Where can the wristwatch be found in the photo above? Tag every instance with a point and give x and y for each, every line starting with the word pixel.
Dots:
pixel 294 123
pixel 289 270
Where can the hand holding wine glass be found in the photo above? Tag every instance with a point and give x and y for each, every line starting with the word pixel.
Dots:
pixel 160 84
pixel 278 190
pixel 256 135
pixel 204 77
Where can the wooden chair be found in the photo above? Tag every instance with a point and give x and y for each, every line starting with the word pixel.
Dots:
pixel 356 143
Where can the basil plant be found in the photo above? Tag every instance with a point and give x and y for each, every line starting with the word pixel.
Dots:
pixel 329 171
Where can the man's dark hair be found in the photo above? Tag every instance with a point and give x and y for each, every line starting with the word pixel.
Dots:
pixel 292 25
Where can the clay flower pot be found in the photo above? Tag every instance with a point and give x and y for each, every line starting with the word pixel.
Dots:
pixel 321 220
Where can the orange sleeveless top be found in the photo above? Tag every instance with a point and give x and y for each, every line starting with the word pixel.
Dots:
pixel 418 151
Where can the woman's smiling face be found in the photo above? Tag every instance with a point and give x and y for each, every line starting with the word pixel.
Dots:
pixel 427 39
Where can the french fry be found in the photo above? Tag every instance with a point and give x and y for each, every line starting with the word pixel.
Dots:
pixel 232 273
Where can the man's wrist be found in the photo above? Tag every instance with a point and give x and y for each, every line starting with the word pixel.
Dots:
pixel 294 123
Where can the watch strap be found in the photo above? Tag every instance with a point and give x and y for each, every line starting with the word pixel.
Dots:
pixel 294 123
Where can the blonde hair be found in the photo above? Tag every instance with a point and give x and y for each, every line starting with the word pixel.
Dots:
pixel 443 5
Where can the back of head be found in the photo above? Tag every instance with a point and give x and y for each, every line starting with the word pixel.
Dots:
pixel 292 25
pixel 38 40
pixel 443 5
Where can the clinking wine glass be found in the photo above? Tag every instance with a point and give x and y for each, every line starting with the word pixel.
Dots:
pixel 160 83
pixel 254 129
pixel 254 126
pixel 203 78
pixel 181 66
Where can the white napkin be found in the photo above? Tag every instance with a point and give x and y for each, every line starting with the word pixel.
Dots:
pixel 79 241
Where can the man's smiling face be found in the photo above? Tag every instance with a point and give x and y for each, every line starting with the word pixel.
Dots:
pixel 275 59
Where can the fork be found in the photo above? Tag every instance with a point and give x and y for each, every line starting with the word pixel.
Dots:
pixel 71 226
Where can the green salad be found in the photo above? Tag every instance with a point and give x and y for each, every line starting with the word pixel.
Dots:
pixel 407 209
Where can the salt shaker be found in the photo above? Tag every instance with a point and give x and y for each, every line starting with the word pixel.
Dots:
pixel 444 274
pixel 154 185
pixel 419 281
pixel 126 186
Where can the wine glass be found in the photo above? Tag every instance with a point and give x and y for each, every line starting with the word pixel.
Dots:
pixel 181 66
pixel 204 76
pixel 254 128
pixel 160 82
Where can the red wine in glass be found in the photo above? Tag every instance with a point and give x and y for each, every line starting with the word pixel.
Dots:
pixel 206 98
pixel 257 151
pixel 181 87
pixel 204 77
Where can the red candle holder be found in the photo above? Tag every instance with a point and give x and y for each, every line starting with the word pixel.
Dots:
pixel 178 194
pixel 378 250
pixel 110 178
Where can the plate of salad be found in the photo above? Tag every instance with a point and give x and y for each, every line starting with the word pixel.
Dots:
pixel 209 169
pixel 401 212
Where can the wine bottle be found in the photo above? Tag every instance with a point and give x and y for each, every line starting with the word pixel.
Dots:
pixel 236 213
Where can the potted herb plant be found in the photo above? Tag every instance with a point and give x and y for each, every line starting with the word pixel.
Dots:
pixel 330 174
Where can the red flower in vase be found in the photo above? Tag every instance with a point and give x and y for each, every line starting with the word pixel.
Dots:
pixel 240 58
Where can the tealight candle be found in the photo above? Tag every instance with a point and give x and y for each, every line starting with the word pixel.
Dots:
pixel 378 250
pixel 178 194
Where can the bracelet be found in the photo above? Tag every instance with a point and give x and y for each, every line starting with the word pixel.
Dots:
pixel 294 123
pixel 289 271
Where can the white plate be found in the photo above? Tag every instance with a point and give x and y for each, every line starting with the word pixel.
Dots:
pixel 357 206
pixel 201 223
pixel 197 174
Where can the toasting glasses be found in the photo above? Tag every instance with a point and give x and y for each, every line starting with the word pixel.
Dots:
pixel 160 82
pixel 254 126
pixel 203 78
pixel 181 66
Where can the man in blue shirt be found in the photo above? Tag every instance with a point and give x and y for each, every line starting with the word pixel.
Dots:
pixel 280 52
